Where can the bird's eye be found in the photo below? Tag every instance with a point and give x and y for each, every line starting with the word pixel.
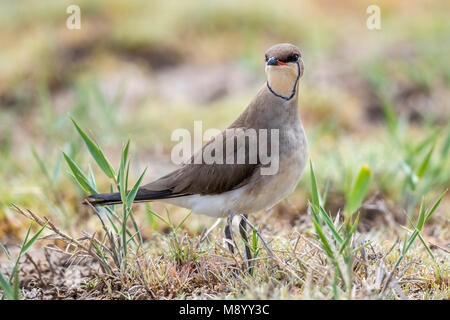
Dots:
pixel 267 59
pixel 293 58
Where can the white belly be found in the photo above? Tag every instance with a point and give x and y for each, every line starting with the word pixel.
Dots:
pixel 219 205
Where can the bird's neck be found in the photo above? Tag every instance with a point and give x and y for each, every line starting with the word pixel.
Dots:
pixel 269 111
pixel 283 82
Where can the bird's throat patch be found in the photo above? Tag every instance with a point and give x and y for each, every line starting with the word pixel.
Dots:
pixel 282 81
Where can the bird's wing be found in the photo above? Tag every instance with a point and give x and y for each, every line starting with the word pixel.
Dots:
pixel 214 178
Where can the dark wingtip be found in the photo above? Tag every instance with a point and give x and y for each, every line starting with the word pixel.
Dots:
pixel 90 200
pixel 102 199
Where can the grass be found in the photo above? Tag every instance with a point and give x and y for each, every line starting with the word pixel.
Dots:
pixel 368 220
pixel 119 249
pixel 10 286
pixel 355 196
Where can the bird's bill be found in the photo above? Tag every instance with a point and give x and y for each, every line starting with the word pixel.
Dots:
pixel 275 62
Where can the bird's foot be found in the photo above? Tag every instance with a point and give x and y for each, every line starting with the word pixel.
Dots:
pixel 266 246
pixel 232 244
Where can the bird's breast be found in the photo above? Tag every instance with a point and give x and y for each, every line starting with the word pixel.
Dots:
pixel 265 191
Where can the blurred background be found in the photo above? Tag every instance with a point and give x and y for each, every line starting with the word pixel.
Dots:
pixel 139 69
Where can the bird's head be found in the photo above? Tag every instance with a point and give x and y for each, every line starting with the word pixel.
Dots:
pixel 284 66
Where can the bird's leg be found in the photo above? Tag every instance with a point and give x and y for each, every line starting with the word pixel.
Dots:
pixel 269 251
pixel 243 232
pixel 228 233
pixel 248 253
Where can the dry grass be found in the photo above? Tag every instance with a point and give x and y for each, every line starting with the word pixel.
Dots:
pixel 71 269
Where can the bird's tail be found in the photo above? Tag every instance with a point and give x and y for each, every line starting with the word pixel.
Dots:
pixel 143 195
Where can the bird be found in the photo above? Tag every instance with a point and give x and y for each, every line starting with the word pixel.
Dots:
pixel 223 189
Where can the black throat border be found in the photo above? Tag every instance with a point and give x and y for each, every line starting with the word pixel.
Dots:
pixel 293 90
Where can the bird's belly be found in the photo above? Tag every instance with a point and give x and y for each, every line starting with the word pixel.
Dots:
pixel 272 189
pixel 218 205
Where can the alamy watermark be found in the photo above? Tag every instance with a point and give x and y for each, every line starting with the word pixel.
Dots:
pixel 373 21
pixel 232 146
pixel 73 22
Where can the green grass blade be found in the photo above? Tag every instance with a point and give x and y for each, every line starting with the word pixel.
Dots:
pixel 16 284
pixel 413 179
pixel 92 178
pixel 113 225
pixel 314 214
pixel 324 240
pixel 362 246
pixel 446 145
pixel 29 243
pixel 131 238
pixel 41 164
pixel 26 237
pixel 410 241
pixel 8 290
pixel 136 227
pixel 126 175
pixel 159 217
pixel 325 193
pixel 56 169
pixel 111 212
pixel 5 251
pixel 326 246
pixel 405 242
pixel 349 235
pixel 153 223
pixel 419 227
pixel 26 244
pixel 122 176
pixel 96 153
pixel 79 176
pixel 132 194
pixel 182 221
pixel 436 204
pixel 101 256
pixel 426 246
pixel 358 191
pixel 255 242
pixel 421 217
pixel 427 141
pixel 330 225
pixel 390 115
pixel 314 190
pixel 424 165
